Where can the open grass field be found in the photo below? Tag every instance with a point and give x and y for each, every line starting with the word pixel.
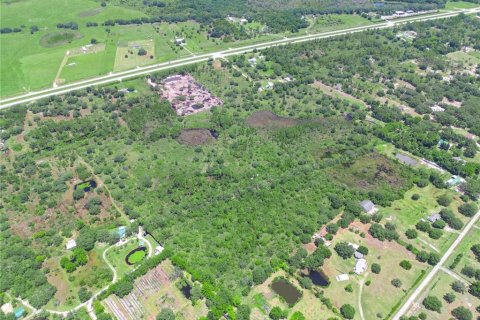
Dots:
pixel 455 5
pixel 32 60
pixel 471 58
pixel 128 57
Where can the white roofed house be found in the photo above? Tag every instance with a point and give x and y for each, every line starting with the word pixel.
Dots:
pixel 71 244
pixel 437 108
pixel 368 206
pixel 360 266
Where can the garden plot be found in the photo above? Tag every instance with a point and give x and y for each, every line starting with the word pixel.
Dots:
pixel 151 293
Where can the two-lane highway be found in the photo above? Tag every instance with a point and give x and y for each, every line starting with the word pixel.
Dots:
pixel 119 76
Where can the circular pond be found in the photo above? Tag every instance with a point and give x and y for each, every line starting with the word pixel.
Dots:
pixel 136 255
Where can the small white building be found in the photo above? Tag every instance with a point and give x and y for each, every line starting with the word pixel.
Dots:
pixel 252 60
pixel 437 108
pixel 243 21
pixel 360 266
pixel 71 244
pixel 179 41
pixel 358 255
pixel 342 277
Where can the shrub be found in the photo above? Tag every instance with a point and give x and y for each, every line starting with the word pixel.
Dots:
pixel 349 288
pixel 462 313
pixel 376 268
pixel 405 264
pixel 432 303
pixel 411 233
pixel 449 297
pixel 415 196
pixel 347 311
pixel 435 233
pixel 444 200
pixel 458 286
pixel 344 250
pixel 396 283
pixel 468 209
pixel 363 250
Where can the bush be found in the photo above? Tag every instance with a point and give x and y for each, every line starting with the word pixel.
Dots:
pixel 363 250
pixel 462 313
pixel 276 313
pixel 306 282
pixel 432 303
pixel 396 283
pixel 468 209
pixel 439 224
pixel 444 200
pixel 166 314
pixel 405 264
pixel 435 233
pixel 347 311
pixel 344 250
pixel 415 196
pixel 411 234
pixel 349 288
pixel 458 286
pixel 449 297
pixel 142 52
pixel 376 268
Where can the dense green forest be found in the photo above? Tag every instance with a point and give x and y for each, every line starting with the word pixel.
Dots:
pixel 284 161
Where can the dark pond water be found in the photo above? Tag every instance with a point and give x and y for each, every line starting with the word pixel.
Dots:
pixel 286 290
pixel 186 290
pixel 214 133
pixel 132 252
pixel 318 278
pixel 86 185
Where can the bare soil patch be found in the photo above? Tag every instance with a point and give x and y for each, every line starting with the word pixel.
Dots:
pixel 195 137
pixel 267 119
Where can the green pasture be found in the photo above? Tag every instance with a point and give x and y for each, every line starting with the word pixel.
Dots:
pixel 455 5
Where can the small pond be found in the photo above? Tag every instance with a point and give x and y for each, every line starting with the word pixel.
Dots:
pixel 286 290
pixel 86 185
pixel 318 278
pixel 187 291
pixel 214 133
pixel 134 257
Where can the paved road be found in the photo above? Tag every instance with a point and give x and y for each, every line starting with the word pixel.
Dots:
pixel 406 306
pixel 119 76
